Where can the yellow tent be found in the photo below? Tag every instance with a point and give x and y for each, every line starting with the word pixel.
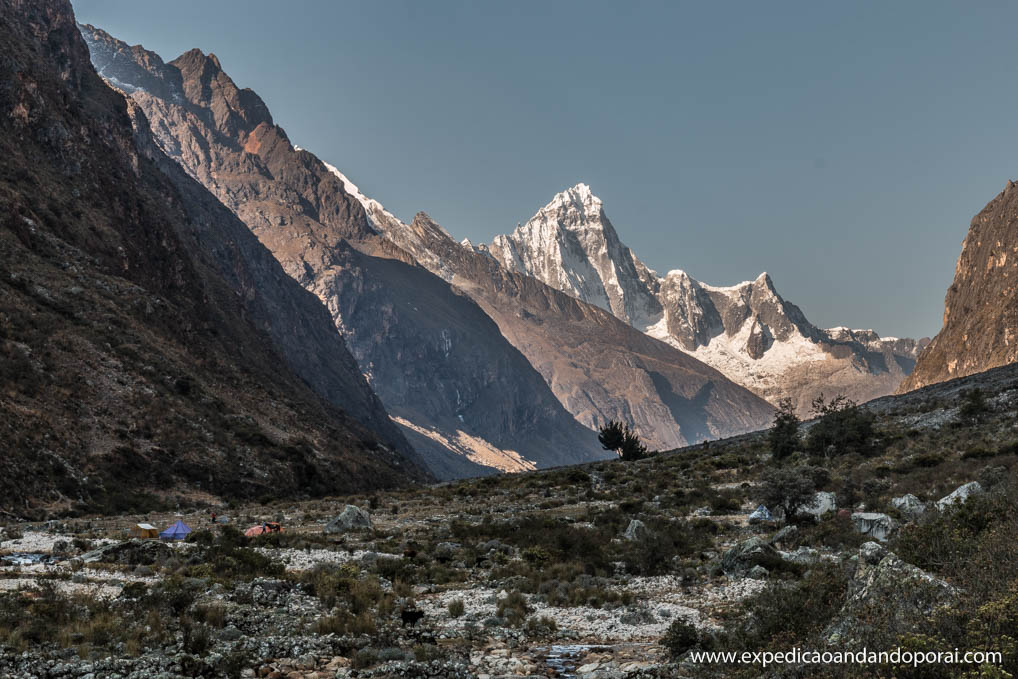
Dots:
pixel 144 531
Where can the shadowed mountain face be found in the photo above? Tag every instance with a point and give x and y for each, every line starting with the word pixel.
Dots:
pixel 146 337
pixel 746 331
pixel 597 366
pixel 469 401
pixel 981 307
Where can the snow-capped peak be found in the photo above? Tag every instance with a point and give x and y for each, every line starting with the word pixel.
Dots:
pixel 572 246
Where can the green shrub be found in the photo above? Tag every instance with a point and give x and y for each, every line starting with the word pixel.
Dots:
pixel 513 608
pixel 456 608
pixel 789 488
pixel 680 637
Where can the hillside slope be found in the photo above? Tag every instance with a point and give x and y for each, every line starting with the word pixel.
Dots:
pixel 132 368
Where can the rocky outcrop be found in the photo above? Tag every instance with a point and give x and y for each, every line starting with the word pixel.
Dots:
pixel 959 495
pixel 748 554
pixel 980 328
pixel 910 507
pixel 130 553
pixel 875 525
pixel 884 588
pixel 746 331
pixel 352 518
pixel 134 365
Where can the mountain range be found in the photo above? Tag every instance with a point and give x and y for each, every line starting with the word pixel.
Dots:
pixel 191 304
pixel 573 365
pixel 746 331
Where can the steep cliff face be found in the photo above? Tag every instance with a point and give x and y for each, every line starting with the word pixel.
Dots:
pixel 981 307
pixel 746 331
pixel 463 394
pixel 136 366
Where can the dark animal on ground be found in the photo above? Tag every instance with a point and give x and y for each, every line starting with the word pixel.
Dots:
pixel 411 617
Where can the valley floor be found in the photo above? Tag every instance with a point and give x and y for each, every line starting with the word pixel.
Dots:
pixel 585 571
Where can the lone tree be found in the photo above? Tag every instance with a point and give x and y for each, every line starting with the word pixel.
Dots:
pixel 789 488
pixel 621 439
pixel 784 434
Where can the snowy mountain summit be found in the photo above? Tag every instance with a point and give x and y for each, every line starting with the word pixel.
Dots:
pixel 572 246
pixel 747 331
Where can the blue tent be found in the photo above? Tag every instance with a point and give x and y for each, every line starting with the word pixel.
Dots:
pixel 177 531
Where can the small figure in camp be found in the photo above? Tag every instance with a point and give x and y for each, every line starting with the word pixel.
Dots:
pixel 213 517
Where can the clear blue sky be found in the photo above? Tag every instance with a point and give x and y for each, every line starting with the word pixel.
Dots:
pixel 842 147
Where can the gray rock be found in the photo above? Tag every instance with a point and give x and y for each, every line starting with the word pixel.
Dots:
pixel 758 573
pixel 823 503
pixel 910 506
pixel 886 587
pixel 741 558
pixel 702 511
pixel 875 525
pixel 132 553
pixel 803 556
pixel 872 553
pixel 352 519
pixel 784 535
pixel 960 495
pixel 636 530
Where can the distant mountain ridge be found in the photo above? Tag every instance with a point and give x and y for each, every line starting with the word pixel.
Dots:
pixel 747 331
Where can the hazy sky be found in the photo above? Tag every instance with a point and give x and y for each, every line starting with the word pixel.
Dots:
pixel 842 147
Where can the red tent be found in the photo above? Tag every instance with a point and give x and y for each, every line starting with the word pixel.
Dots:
pixel 270 527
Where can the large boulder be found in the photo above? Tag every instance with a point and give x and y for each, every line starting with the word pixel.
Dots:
pixel 960 495
pixel 889 593
pixel 351 519
pixel 740 559
pixel 823 503
pixel 636 530
pixel 910 506
pixel 874 525
pixel 130 553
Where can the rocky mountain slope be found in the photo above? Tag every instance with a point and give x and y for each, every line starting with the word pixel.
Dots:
pixel 599 367
pixel 146 337
pixel 305 210
pixel 980 328
pixel 746 331
pixel 468 400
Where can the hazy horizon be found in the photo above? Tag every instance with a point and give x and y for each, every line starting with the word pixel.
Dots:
pixel 843 149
